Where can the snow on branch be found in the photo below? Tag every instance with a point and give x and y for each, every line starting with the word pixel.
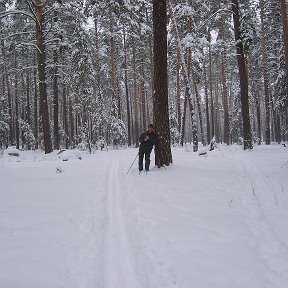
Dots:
pixel 17 12
pixel 209 18
pixel 29 44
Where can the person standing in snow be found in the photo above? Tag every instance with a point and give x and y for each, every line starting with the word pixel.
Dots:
pixel 147 141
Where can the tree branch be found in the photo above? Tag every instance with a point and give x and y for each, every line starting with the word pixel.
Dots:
pixel 17 12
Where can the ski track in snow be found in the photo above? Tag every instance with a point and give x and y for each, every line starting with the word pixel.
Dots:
pixel 118 262
pixel 257 192
pixel 129 258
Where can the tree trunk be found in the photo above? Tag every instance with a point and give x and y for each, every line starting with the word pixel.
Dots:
pixel 56 102
pixel 163 155
pixel 178 91
pixel 218 128
pixel 136 106
pixel 211 87
pixel 206 102
pixel 8 89
pixel 143 96
pixel 41 57
pixel 72 123
pixel 28 112
pixel 113 63
pixel 265 75
pixel 127 89
pixel 243 77
pixel 150 44
pixel 193 77
pixel 36 128
pixel 258 112
pixel 65 117
pixel 188 91
pixel 56 92
pixel 17 130
pixel 224 87
pixel 97 54
pixel 183 119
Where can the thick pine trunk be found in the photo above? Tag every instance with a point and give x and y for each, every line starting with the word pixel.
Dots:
pixel 243 77
pixel 265 75
pixel 163 155
pixel 41 57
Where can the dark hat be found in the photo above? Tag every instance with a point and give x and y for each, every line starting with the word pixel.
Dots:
pixel 151 126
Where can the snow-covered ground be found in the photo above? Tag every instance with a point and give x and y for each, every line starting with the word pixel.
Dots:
pixel 213 221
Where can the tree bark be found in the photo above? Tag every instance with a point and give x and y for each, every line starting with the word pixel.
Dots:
pixel 206 102
pixel 224 86
pixel 8 89
pixel 183 119
pixel 56 92
pixel 265 75
pixel 56 102
pixel 163 155
pixel 136 100
pixel 17 128
pixel 243 77
pixel 127 89
pixel 211 87
pixel 115 96
pixel 65 117
pixel 36 128
pixel 41 57
pixel 72 123
pixel 178 91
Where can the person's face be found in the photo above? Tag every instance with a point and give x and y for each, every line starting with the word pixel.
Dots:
pixel 150 129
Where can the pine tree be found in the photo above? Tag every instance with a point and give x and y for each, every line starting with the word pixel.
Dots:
pixel 163 148
pixel 243 77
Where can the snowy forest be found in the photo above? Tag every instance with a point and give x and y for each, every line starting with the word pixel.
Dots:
pixel 77 74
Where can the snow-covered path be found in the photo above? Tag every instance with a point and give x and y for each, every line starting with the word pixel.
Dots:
pixel 208 222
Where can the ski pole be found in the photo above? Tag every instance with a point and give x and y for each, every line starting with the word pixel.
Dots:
pixel 133 162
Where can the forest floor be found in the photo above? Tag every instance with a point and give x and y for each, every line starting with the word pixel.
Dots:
pixel 214 221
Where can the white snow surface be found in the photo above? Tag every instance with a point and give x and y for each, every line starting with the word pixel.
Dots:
pixel 213 221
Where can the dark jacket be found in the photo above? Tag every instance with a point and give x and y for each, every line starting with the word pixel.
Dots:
pixel 147 146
